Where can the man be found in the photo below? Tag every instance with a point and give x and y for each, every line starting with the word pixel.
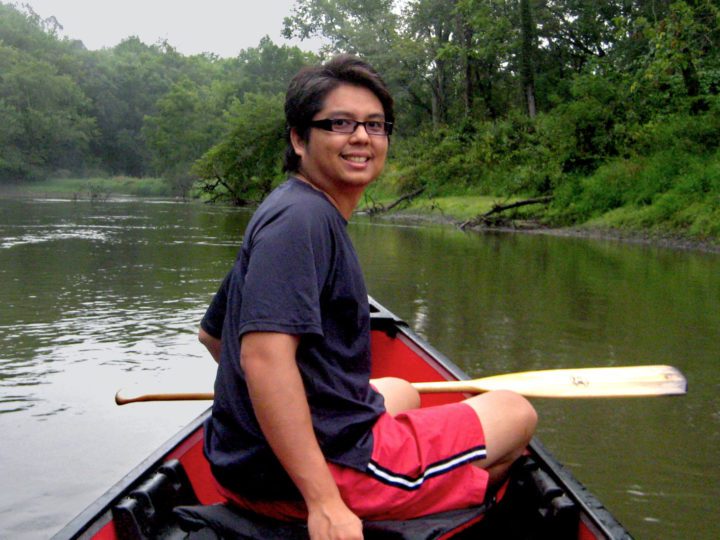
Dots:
pixel 297 430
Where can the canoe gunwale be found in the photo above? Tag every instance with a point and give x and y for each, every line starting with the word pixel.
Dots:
pixel 591 507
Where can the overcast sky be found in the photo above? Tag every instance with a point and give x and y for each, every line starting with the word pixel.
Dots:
pixel 223 27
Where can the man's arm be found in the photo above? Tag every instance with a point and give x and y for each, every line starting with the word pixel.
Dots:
pixel 212 344
pixel 281 407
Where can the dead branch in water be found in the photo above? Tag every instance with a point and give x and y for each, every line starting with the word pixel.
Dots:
pixel 379 208
pixel 497 208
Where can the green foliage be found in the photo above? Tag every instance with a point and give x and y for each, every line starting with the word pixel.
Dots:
pixel 672 189
pixel 627 96
pixel 125 84
pixel 44 124
pixel 134 109
pixel 510 157
pixel 588 130
pixel 364 28
pixel 265 69
pixel 693 133
pixel 187 123
pixel 245 164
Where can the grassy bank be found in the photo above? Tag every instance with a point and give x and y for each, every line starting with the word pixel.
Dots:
pixel 686 213
pixel 668 198
pixel 99 188
pixel 666 193
pixel 659 177
pixel 625 224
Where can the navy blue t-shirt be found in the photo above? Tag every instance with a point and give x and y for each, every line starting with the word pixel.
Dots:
pixel 296 273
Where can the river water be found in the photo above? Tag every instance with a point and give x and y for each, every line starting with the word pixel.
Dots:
pixel 94 297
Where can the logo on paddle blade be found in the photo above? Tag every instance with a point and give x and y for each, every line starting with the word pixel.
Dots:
pixel 579 381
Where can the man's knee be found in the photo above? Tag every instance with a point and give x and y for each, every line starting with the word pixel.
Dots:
pixel 506 410
pixel 524 414
pixel 399 394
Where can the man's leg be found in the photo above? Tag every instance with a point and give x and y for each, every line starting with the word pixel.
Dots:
pixel 399 394
pixel 508 421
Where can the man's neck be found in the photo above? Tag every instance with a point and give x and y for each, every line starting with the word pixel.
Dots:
pixel 345 202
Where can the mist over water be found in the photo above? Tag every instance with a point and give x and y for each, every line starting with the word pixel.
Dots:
pixel 95 297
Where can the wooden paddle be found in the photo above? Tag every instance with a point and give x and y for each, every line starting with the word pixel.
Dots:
pixel 628 381
pixel 625 381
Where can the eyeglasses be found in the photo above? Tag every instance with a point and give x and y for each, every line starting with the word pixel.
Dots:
pixel 343 125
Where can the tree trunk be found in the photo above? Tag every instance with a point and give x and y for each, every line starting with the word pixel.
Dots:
pixel 439 94
pixel 469 67
pixel 527 55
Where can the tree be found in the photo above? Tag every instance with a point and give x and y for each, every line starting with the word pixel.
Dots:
pixel 265 69
pixel 245 164
pixel 682 47
pixel 432 23
pixel 125 84
pixel 44 125
pixel 365 28
pixel 187 122
pixel 189 118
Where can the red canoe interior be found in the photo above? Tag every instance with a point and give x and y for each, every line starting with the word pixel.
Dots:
pixel 394 353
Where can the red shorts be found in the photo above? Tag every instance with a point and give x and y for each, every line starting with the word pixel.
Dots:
pixel 421 464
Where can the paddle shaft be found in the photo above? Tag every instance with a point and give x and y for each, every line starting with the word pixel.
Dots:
pixel 628 381
pixel 120 399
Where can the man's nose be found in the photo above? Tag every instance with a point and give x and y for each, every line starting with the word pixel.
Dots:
pixel 360 133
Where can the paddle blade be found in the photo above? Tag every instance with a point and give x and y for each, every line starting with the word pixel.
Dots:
pixel 630 381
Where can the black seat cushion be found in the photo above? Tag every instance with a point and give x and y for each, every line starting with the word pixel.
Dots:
pixel 223 521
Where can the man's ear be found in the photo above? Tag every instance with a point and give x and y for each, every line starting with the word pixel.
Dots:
pixel 297 142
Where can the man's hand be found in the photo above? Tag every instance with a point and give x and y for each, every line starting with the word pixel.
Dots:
pixel 334 521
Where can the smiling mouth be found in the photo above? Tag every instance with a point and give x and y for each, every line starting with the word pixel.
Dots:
pixel 357 159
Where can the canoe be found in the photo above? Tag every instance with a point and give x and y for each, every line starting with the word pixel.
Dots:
pixel 542 499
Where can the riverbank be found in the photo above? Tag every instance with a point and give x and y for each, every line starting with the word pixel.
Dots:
pixel 460 211
pixel 452 210
pixel 94 188
pixel 663 189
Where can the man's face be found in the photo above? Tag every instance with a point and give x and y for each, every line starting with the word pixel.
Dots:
pixel 337 162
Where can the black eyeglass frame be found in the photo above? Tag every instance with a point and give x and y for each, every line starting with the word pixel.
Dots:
pixel 327 125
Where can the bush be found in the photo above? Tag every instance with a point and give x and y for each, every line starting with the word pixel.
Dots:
pixel 669 191
pixel 487 158
pixel 682 131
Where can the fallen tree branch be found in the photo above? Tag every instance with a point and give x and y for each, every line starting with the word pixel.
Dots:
pixel 497 208
pixel 379 208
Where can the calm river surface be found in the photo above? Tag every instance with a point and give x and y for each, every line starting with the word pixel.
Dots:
pixel 94 297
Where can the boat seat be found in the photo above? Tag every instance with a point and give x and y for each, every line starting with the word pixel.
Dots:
pixel 165 507
pixel 224 521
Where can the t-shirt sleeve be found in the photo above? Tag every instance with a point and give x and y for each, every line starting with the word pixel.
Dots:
pixel 288 263
pixel 212 321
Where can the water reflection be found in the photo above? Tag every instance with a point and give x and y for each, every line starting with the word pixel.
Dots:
pixel 96 284
pixel 497 303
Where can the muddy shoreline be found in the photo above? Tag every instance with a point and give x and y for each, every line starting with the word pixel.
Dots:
pixel 648 238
